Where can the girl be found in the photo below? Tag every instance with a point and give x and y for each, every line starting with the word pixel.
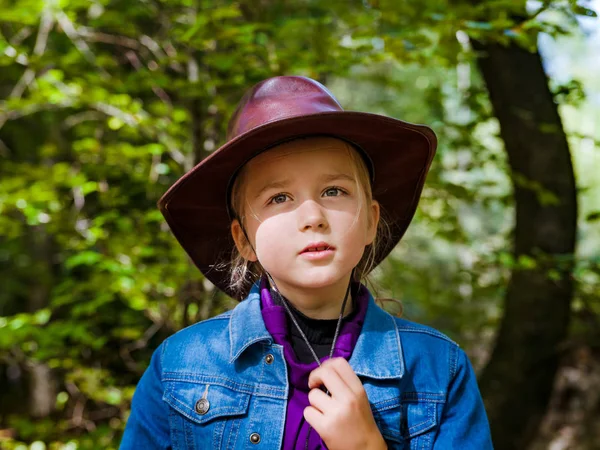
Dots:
pixel 288 216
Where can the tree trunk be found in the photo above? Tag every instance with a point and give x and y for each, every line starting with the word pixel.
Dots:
pixel 42 386
pixel 518 380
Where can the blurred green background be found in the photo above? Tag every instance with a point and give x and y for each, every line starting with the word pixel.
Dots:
pixel 104 104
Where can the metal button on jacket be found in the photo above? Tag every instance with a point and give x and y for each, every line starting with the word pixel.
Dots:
pixel 202 406
pixel 269 359
pixel 255 438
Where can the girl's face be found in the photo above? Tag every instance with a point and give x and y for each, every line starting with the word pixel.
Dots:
pixel 304 214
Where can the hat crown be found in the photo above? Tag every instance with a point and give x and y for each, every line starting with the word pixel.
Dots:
pixel 280 98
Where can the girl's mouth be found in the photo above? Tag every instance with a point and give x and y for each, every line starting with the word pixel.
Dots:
pixel 317 250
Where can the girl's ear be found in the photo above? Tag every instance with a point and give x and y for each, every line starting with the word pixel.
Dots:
pixel 241 243
pixel 374 215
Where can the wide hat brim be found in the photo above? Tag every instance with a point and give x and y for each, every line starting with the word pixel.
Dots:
pixel 195 206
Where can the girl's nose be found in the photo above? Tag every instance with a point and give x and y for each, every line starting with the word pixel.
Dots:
pixel 311 216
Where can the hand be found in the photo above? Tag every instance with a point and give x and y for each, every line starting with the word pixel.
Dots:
pixel 343 419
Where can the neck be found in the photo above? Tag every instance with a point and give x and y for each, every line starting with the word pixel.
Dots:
pixel 318 303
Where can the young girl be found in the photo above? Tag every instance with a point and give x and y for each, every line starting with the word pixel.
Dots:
pixel 299 205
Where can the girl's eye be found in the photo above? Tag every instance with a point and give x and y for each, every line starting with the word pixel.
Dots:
pixel 279 198
pixel 333 191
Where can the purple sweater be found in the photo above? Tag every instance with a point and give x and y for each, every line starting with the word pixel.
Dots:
pixel 296 428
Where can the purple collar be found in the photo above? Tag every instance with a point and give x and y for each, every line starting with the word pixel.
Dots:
pixel 297 432
pixel 275 318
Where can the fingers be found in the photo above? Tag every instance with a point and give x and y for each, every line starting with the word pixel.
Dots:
pixel 344 418
pixel 320 400
pixel 337 376
pixel 332 380
pixel 315 418
pixel 342 367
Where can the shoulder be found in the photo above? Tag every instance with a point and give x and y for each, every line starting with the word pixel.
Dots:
pixel 428 351
pixel 414 330
pixel 199 345
pixel 201 329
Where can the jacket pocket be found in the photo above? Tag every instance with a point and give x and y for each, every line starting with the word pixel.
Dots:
pixel 203 412
pixel 411 421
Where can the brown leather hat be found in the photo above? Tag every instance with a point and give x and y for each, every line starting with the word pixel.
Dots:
pixel 276 110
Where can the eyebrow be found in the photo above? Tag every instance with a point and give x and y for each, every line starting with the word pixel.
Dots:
pixel 337 176
pixel 280 184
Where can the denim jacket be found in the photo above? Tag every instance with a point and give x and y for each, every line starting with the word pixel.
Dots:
pixel 223 384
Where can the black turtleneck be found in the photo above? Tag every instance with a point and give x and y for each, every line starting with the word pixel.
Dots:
pixel 319 332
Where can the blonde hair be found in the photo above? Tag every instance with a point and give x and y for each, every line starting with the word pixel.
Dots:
pixel 244 273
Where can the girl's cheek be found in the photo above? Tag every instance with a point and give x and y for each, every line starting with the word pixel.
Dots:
pixel 267 236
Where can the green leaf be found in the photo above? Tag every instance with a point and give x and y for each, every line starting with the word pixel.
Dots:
pixel 83 258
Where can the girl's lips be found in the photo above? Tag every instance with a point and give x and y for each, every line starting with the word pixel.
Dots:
pixel 317 250
pixel 319 254
pixel 317 247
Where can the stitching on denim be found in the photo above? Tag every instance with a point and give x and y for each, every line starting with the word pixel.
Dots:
pixel 453 363
pixel 253 417
pixel 386 432
pixel 242 388
pixel 286 387
pixel 427 440
pixel 426 421
pixel 273 396
pixel 233 433
pixel 207 379
pixel 399 342
pixel 375 376
pixel 218 434
pixel 397 345
pixel 390 435
pixel 431 417
pixel 227 447
pixel 427 331
pixel 240 407
pixel 431 397
pixel 175 432
pixel 253 296
pixel 283 416
pixel 394 434
pixel 248 343
pixel 225 315
pixel 252 340
pixel 171 392
pixel 161 359
pixel 429 400
pixel 263 391
pixel 384 405
pixel 231 331
pixel 418 425
pixel 262 368
pixel 189 434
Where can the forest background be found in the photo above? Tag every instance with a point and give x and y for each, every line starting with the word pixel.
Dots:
pixel 104 104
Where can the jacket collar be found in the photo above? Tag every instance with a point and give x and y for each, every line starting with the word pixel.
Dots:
pixel 377 353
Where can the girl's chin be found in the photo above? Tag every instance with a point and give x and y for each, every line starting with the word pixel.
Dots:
pixel 312 280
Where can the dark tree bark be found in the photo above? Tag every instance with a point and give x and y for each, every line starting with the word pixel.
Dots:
pixel 517 382
pixel 42 384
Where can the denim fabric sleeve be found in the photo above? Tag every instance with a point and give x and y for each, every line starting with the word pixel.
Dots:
pixel 148 423
pixel 464 424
